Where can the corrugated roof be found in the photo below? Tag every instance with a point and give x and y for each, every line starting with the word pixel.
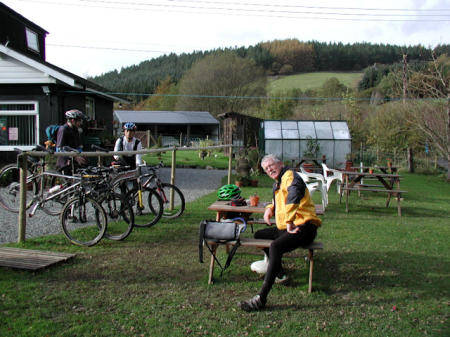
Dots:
pixel 165 117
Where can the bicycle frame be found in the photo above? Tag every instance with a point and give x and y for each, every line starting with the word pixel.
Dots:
pixel 39 199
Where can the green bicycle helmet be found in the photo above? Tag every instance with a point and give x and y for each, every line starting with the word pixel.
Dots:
pixel 228 192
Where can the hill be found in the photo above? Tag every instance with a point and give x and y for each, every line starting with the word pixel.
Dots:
pixel 278 57
pixel 314 80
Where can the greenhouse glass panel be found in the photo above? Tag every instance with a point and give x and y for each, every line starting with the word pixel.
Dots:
pixel 290 134
pixel 274 147
pixel 323 130
pixel 272 134
pixel 340 130
pixel 291 149
pixel 307 130
pixel 285 125
pixel 272 125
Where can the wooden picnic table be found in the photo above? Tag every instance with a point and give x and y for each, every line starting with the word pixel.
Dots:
pixel 352 182
pixel 384 169
pixel 223 208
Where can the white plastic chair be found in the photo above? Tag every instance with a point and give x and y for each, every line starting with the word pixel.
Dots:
pixel 315 182
pixel 337 175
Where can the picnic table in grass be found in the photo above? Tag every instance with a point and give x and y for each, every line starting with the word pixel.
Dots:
pixel 224 207
pixel 387 183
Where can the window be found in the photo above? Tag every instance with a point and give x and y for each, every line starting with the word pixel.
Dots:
pixel 32 40
pixel 90 108
pixel 18 125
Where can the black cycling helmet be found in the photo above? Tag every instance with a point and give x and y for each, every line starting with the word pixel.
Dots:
pixel 75 114
pixel 130 126
pixel 228 192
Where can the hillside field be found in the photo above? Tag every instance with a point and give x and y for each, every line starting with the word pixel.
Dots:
pixel 314 80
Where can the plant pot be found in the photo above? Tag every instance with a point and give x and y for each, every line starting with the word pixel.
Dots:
pixel 254 183
pixel 254 200
pixel 308 167
pixel 389 164
pixel 371 171
pixel 239 183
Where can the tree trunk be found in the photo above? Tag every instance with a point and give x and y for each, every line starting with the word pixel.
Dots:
pixel 410 160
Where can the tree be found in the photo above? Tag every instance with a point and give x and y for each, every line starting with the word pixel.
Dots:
pixel 220 83
pixel 332 88
pixel 429 113
pixel 162 100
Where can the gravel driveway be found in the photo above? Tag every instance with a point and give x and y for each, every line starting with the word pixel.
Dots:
pixel 194 183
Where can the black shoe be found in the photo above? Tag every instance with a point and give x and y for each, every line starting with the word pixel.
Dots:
pixel 253 304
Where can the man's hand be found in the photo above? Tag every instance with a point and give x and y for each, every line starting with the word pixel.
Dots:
pixel 80 160
pixel 292 228
pixel 268 213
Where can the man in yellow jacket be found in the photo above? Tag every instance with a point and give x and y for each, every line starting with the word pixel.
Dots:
pixel 296 224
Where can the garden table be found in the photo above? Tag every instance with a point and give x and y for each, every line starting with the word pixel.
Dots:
pixel 384 169
pixel 352 182
pixel 223 208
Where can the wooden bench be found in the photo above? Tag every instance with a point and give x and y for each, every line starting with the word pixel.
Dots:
pixel 260 244
pixel 395 193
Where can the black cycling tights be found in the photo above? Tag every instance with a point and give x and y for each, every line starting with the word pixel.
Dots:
pixel 283 242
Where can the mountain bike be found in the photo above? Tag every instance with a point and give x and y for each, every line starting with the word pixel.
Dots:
pixel 173 199
pixel 146 203
pixel 10 183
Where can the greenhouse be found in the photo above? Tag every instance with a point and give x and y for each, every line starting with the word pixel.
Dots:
pixel 294 140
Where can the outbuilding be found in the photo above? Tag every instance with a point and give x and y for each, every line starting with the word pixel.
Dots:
pixel 290 140
pixel 179 128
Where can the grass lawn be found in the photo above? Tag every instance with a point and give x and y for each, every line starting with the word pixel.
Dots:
pixel 379 275
pixel 314 80
pixel 189 158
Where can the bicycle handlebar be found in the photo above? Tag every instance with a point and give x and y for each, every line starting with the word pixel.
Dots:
pixel 70 149
pixel 42 148
pixel 98 148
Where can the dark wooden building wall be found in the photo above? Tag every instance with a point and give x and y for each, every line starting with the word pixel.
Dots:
pixel 12 29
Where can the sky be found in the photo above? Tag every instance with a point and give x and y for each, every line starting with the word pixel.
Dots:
pixel 91 37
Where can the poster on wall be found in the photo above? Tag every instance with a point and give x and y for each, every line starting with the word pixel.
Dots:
pixel 13 133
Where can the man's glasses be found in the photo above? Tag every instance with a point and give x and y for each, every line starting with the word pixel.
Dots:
pixel 270 166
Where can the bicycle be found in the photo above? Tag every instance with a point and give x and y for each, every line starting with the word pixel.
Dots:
pixel 97 184
pixel 119 212
pixel 173 199
pixel 146 202
pixel 10 182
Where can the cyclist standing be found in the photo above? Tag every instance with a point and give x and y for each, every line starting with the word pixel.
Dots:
pixel 129 143
pixel 69 135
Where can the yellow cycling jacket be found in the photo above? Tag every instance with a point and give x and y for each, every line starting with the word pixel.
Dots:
pixel 292 201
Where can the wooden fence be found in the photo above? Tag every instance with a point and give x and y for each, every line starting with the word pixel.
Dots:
pixel 23 164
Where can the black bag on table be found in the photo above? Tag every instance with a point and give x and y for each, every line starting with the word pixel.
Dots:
pixel 216 231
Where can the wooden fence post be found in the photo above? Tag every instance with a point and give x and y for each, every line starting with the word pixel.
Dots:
pixel 230 160
pixel 23 162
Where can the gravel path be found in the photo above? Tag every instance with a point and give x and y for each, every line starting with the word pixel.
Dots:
pixel 194 183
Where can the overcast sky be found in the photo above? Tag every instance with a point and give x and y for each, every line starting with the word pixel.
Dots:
pixel 91 37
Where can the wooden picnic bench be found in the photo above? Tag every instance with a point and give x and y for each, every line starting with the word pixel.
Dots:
pixel 387 186
pixel 260 244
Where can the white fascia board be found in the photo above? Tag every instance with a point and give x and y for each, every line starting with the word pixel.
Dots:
pixel 114 98
pixel 44 80
pixel 41 67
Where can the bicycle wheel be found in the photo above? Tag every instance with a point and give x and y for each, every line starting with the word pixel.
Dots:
pixel 167 192
pixel 83 221
pixel 151 210
pixel 119 214
pixel 10 188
